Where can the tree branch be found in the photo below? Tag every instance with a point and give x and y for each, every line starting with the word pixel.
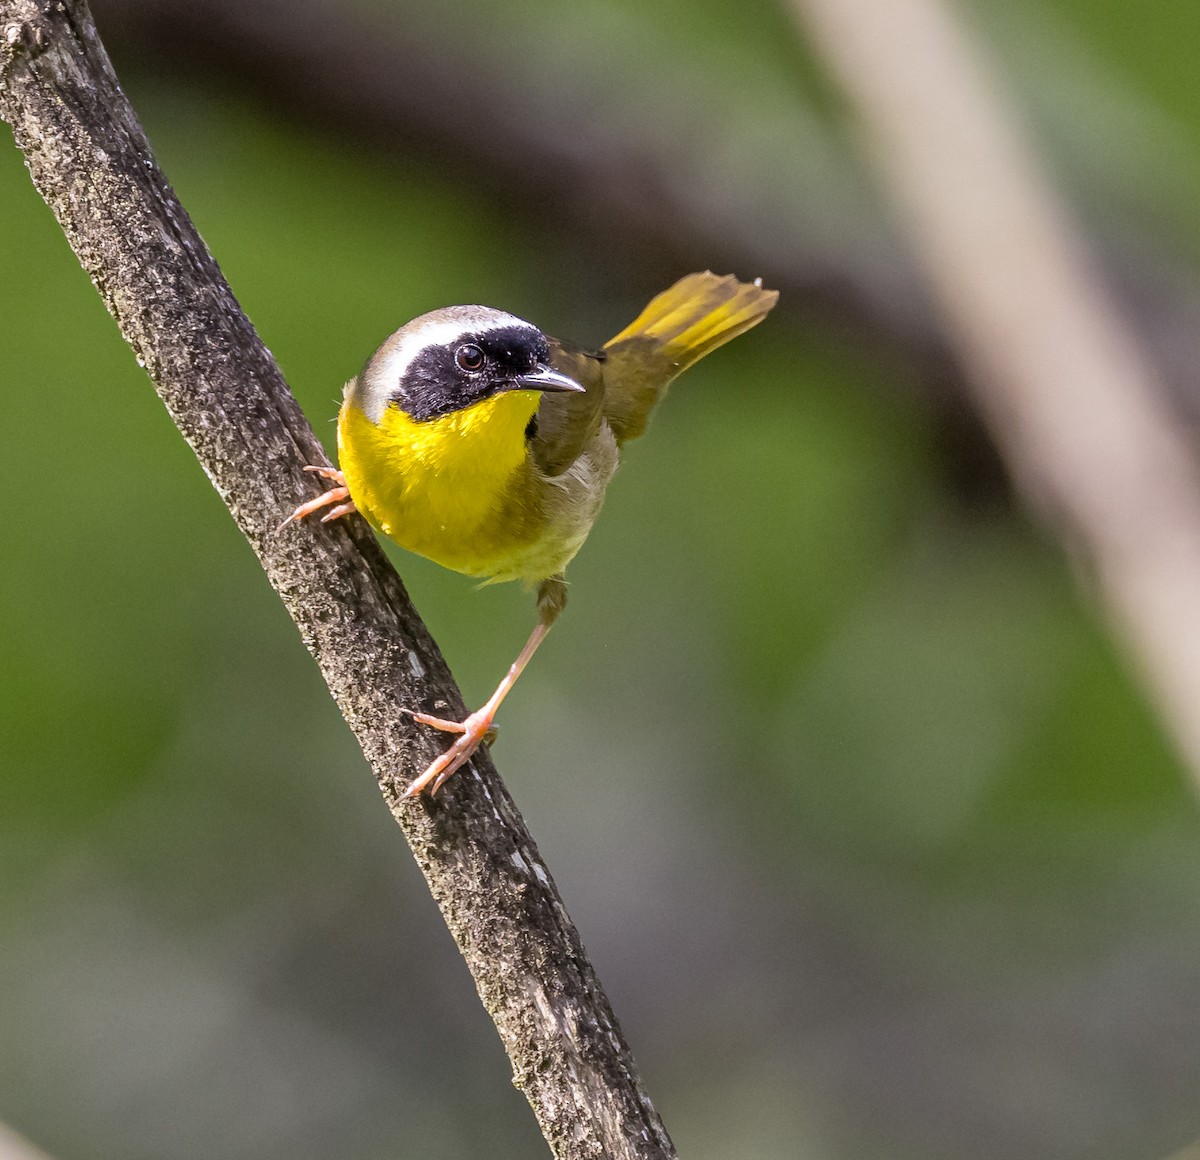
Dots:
pixel 89 158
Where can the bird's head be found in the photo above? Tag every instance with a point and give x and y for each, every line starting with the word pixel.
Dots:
pixel 453 358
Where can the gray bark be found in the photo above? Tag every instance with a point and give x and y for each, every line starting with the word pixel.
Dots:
pixel 89 158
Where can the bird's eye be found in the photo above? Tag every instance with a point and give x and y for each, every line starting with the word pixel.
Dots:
pixel 468 357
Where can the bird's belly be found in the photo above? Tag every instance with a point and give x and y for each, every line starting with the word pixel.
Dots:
pixel 509 535
pixel 474 529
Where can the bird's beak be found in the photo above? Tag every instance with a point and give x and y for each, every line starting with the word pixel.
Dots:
pixel 546 379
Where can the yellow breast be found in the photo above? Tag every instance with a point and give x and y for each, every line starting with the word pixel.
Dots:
pixel 458 489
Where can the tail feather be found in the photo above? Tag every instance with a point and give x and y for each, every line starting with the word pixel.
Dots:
pixel 676 329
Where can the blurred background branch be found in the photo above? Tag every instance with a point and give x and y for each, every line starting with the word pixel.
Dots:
pixel 1087 431
pixel 14 1147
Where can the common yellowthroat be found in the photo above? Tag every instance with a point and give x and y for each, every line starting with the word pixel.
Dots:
pixel 473 439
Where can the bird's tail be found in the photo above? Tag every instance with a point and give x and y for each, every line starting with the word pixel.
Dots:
pixel 678 328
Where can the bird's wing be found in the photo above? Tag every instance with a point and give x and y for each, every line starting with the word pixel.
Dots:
pixel 566 420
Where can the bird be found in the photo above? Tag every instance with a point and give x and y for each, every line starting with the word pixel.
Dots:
pixel 472 438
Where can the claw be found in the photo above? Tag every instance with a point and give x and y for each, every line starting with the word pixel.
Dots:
pixel 342 509
pixel 325 472
pixel 339 495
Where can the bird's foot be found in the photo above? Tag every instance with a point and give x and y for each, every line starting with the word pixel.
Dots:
pixel 339 495
pixel 478 729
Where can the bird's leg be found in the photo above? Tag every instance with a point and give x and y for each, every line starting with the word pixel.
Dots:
pixel 474 730
pixel 552 598
pixel 339 495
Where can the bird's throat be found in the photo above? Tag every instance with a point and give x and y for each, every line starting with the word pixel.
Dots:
pixel 443 488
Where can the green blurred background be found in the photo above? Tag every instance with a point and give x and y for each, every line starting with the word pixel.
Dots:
pixel 870 831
